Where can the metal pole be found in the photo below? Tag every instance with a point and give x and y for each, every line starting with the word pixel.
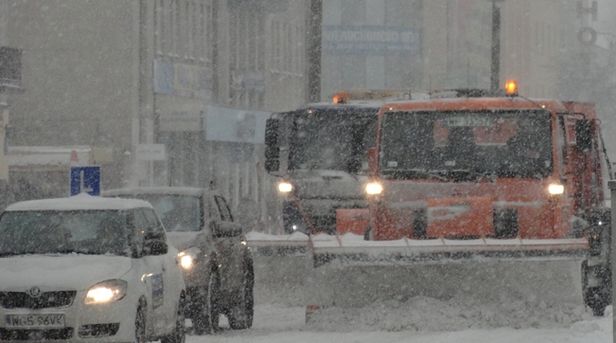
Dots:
pixel 495 65
pixel 612 258
pixel 313 50
pixel 145 88
pixel 4 114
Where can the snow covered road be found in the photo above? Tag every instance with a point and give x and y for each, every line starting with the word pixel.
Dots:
pixel 275 324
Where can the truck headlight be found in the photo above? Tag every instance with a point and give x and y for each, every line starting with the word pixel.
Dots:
pixel 106 292
pixel 285 187
pixel 556 189
pixel 188 257
pixel 374 188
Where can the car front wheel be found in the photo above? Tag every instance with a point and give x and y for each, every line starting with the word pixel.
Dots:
pixel 140 335
pixel 207 314
pixel 241 315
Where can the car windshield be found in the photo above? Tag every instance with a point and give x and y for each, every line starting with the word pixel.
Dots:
pixel 96 232
pixel 464 144
pixel 331 139
pixel 177 212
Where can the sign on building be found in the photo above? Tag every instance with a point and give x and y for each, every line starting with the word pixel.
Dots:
pixel 225 124
pixel 183 80
pixel 151 152
pixel 10 68
pixel 376 39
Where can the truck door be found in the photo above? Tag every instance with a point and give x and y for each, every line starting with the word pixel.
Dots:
pixel 578 165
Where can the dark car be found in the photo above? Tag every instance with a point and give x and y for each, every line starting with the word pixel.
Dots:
pixel 217 263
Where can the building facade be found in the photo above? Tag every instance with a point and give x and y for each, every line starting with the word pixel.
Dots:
pixel 80 74
pixel 10 82
pixel 178 90
pixel 372 44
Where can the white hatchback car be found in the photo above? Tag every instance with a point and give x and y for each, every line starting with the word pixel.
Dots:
pixel 88 269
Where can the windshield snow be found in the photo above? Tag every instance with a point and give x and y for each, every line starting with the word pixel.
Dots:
pixel 332 140
pixel 177 212
pixel 466 144
pixel 95 232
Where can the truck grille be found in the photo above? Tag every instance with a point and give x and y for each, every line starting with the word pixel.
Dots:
pixel 420 223
pixel 505 222
pixel 12 300
pixel 326 223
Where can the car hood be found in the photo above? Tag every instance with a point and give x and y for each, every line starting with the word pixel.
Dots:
pixel 69 272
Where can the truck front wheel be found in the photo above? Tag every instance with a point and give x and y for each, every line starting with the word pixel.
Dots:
pixel 596 285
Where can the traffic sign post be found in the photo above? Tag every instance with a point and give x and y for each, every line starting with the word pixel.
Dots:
pixel 86 179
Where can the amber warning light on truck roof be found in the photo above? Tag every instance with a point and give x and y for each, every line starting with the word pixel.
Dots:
pixel 340 98
pixel 511 88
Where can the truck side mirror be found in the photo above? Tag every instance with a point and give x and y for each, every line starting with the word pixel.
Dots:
pixel 373 160
pixel 272 145
pixel 583 134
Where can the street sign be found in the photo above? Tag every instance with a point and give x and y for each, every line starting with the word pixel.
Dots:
pixel 86 179
pixel 151 152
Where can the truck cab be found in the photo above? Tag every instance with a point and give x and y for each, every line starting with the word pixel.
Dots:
pixel 498 167
pixel 494 175
pixel 318 152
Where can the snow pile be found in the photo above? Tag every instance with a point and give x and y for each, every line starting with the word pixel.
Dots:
pixel 430 314
pixel 260 236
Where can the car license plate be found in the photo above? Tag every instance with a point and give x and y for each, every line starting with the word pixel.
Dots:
pixel 34 320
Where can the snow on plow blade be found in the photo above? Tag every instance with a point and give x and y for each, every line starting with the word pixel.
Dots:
pixel 351 273
pixel 281 263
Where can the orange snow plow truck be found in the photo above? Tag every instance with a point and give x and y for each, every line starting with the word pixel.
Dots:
pixel 493 197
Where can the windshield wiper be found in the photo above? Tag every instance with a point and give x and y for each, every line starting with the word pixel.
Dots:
pixel 414 173
pixel 438 174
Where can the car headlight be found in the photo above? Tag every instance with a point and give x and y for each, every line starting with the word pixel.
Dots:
pixel 106 292
pixel 188 257
pixel 187 262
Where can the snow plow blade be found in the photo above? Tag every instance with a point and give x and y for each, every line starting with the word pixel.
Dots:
pixel 281 265
pixel 352 273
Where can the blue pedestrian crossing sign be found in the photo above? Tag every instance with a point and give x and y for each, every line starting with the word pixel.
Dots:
pixel 86 179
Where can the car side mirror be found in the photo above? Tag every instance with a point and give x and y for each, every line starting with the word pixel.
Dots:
pixel 155 247
pixel 225 229
pixel 583 134
pixel 154 244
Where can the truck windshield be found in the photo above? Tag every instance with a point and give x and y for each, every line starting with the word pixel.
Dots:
pixel 177 212
pixel 331 139
pixel 95 232
pixel 466 145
